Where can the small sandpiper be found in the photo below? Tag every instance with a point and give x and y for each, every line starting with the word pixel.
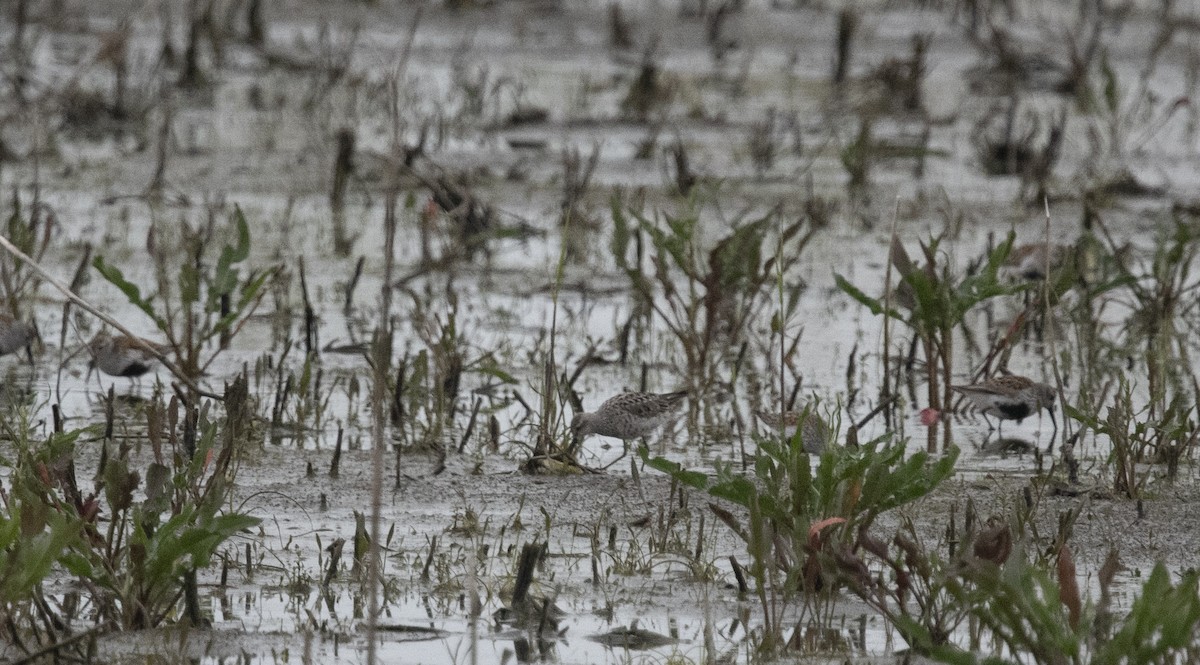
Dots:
pixel 627 416
pixel 123 355
pixel 1010 397
pixel 1029 262
pixel 814 434
pixel 15 335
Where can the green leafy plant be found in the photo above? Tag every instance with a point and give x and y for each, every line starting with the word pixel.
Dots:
pixel 1158 332
pixel 1162 625
pixel 1005 589
pixel 932 301
pixel 706 296
pixel 137 541
pixel 202 304
pixel 34 535
pixel 427 384
pixel 1038 616
pixel 1160 296
pixel 1138 435
pixel 791 508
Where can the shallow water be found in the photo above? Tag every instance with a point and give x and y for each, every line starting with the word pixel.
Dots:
pixel 273 157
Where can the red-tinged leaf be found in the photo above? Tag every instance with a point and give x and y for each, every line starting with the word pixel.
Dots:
pixel 1068 586
pixel 873 545
pixel 903 584
pixel 730 521
pixel 812 574
pixel 814 531
pixel 90 509
pixel 994 543
pixel 1108 571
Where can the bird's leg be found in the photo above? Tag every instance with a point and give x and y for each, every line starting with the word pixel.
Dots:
pixel 1053 434
pixel 637 479
pixel 99 378
pixel 624 452
pixel 643 444
pixel 987 437
pixel 37 339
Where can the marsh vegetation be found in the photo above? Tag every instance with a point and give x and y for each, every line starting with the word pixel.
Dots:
pixel 381 254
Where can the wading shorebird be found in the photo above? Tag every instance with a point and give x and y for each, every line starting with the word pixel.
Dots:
pixel 814 434
pixel 627 416
pixel 1030 262
pixel 16 335
pixel 123 355
pixel 1010 397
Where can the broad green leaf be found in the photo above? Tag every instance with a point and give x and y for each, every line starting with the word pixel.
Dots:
pixel 738 490
pixel 1075 414
pixel 690 478
pixel 492 370
pixel 131 290
pixel 876 306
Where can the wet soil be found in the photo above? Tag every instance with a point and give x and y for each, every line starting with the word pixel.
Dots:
pixel 263 136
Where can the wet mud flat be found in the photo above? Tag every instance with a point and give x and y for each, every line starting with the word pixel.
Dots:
pixel 641 585
pixel 646 578
pixel 459 223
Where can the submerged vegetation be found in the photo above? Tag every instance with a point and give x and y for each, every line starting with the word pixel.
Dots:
pixel 385 263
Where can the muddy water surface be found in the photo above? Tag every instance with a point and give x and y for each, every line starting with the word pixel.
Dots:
pixel 262 136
